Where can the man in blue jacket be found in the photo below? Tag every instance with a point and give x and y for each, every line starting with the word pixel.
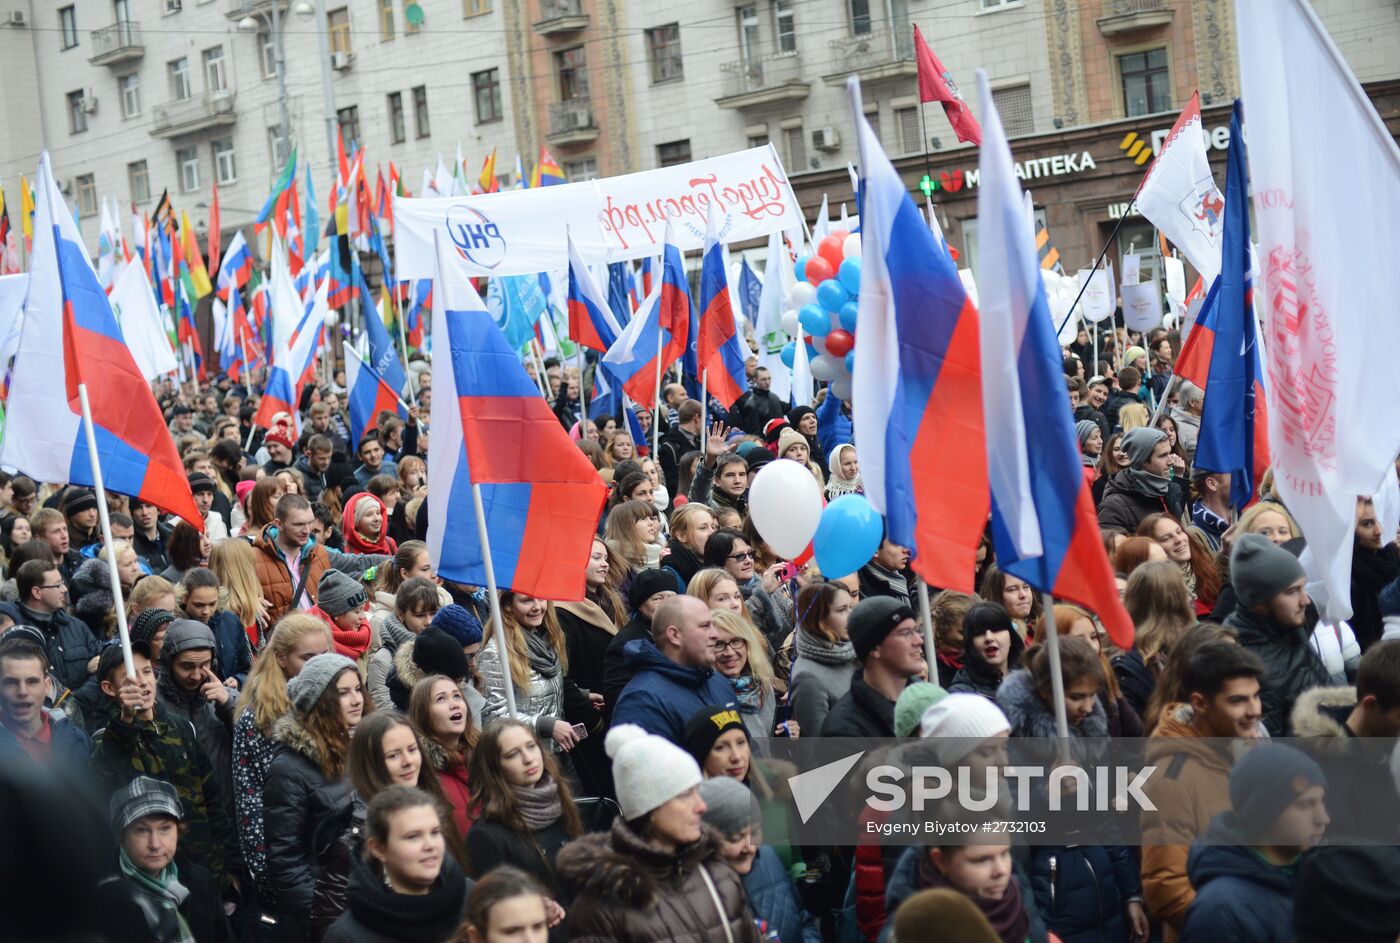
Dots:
pixel 28 729
pixel 674 671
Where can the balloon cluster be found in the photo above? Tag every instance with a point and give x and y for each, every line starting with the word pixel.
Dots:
pixel 825 304
pixel 785 505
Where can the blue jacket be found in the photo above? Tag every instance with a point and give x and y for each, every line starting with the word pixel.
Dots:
pixel 833 427
pixel 234 655
pixel 1240 897
pixel 69 747
pixel 904 883
pixel 663 695
pixel 773 898
pixel 1081 891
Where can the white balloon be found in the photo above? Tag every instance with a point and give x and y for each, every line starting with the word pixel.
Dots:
pixel 785 505
pixel 803 294
pixel 824 368
pixel 331 317
pixel 789 323
pixel 850 249
pixel 841 389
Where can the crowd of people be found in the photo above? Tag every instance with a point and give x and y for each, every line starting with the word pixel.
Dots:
pixel 315 744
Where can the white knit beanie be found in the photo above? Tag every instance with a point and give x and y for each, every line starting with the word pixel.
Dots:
pixel 961 722
pixel 648 770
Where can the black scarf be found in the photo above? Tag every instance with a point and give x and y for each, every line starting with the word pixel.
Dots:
pixel 683 560
pixel 429 917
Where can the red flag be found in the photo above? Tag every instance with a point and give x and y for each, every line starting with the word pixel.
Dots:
pixel 936 85
pixel 214 239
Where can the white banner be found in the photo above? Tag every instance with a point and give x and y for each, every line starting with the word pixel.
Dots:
pixel 521 232
pixel 1142 306
pixel 1098 301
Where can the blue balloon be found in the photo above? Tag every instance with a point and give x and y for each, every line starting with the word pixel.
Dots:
pixel 851 362
pixel 830 295
pixel 849 312
pixel 800 267
pixel 849 274
pixel 789 355
pixel 814 320
pixel 848 536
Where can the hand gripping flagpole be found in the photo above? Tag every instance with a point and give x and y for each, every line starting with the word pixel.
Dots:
pixel 118 603
pixel 498 631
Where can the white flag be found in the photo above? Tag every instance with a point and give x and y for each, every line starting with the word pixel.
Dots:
pixel 1179 196
pixel 142 326
pixel 771 302
pixel 1327 237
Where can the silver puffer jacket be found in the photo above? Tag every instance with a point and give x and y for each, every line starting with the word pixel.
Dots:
pixel 540 704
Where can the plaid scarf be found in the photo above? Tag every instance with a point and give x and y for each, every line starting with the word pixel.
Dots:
pixel 159 898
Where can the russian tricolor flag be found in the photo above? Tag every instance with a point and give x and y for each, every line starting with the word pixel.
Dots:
pixel 237 266
pixel 367 396
pixel 383 358
pixel 70 336
pixel 917 382
pixel 1221 354
pixel 637 358
pixel 721 358
pixel 591 320
pixel 1043 521
pixel 289 365
pixel 540 496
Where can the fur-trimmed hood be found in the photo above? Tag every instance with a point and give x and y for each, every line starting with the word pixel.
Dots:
pixel 1321 713
pixel 287 731
pixel 405 668
pixel 1031 718
pixel 92 588
pixel 620 868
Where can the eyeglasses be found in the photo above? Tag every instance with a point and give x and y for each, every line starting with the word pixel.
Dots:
pixel 736 645
pixel 741 556
pixel 60 585
pixel 907 634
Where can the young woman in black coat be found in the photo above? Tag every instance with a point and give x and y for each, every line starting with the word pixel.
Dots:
pixel 991 650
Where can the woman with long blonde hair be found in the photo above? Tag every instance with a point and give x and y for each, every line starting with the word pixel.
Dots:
pixel 1160 606
pixel 233 563
pixel 634 532
pixel 741 656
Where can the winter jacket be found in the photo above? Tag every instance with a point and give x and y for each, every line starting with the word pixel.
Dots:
pixel 1188 429
pixel 212 724
pixel 456 786
pixel 1192 787
pixel 70 647
pixel 629 891
pixel 674 445
pixel 233 654
pixel 491 844
pixel 771 612
pixel 270 563
pixel 91 595
pixel 386 467
pixel 821 676
pixel 1135 680
pixel 1361 794
pixel 125 909
pixel 69 748
pixel 616 671
pixel 861 712
pixel 252 757
pixel 392 634
pixel 378 915
pixel 662 695
pixel 1290 665
pixel 703 491
pixel 1240 897
pixel 1123 506
pixel 164 747
pixel 540 703
pixel 905 883
pixel 773 899
pixel 587 644
pixel 316 482
pixel 307 816
pixel 152 550
pixel 755 409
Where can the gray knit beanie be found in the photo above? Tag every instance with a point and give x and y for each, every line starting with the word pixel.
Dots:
pixel 729 805
pixel 319 672
pixel 1259 570
pixel 1083 429
pixel 338 594
pixel 1139 442
pixel 185 635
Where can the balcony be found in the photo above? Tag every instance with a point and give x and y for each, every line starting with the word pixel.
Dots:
pixel 883 54
pixel 118 43
pixel 1128 16
pixel 238 9
pixel 764 80
pixel 571 122
pixel 560 16
pixel 179 118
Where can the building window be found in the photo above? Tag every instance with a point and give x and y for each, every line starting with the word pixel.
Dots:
pixel 1014 106
pixel 664 48
pixel 349 121
pixel 77 118
pixel 475 7
pixel 676 152
pixel 267 55
pixel 796 142
pixel 386 19
pixel 278 146
pixel 421 126
pixel 748 32
pixel 172 6
pixel 179 71
pixel 486 88
pixel 758 140
pixel 87 195
pixel 138 178
pixel 1146 82
pixel 225 169
pixel 187 158
pixel 68 26
pixel 130 86
pixel 784 26
pixel 906 122
pixel 872 118
pixel 215 76
pixel 860 17
pixel 397 135
pixel 999 4
pixel 338 26
pixel 585 168
pixel 572 69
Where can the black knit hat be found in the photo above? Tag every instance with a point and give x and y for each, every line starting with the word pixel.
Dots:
pixel 874 618
pixel 201 482
pixel 706 726
pixel 145 626
pixel 647 584
pixel 78 499
pixel 436 652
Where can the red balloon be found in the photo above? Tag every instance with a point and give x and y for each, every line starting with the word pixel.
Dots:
pixel 831 249
pixel 840 235
pixel 818 270
pixel 839 343
pixel 679 500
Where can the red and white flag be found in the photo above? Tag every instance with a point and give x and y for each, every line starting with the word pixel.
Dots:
pixel 936 85
pixel 1325 175
pixel 1178 194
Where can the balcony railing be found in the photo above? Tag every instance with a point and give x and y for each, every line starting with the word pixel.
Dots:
pixel 561 16
pixel 572 119
pixel 238 9
pixel 178 118
pixel 881 54
pixel 760 80
pixel 1125 16
pixel 120 42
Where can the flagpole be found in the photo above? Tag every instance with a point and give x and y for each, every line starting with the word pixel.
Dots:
pixel 582 387
pixel 656 404
pixel 498 632
pixel 926 618
pixel 118 604
pixel 1057 681
pixel 1106 246
pixel 403 340
pixel 704 408
pixel 928 165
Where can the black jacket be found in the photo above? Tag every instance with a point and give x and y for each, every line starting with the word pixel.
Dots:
pixel 674 444
pixel 70 647
pixel 1361 794
pixel 378 915
pixel 1124 506
pixel 1135 680
pixel 862 712
pixel 1088 412
pixel 153 551
pixel 1290 665
pixel 127 921
pixel 754 410
pixel 491 844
